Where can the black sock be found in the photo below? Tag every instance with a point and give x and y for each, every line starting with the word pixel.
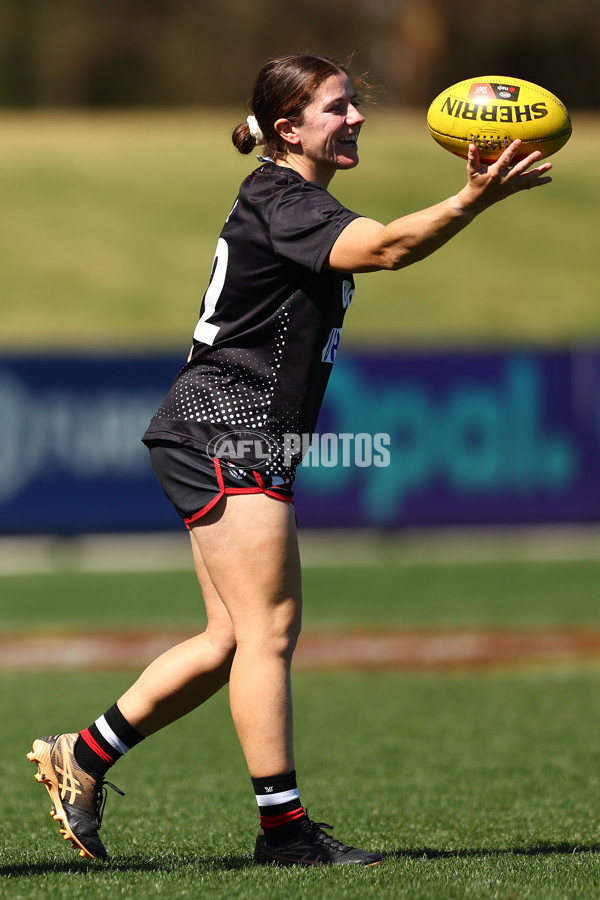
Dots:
pixel 105 741
pixel 281 812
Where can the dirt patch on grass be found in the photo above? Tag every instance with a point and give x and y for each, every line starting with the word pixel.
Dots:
pixel 325 649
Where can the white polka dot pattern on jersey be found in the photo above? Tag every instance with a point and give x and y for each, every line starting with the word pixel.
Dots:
pixel 238 394
pixel 274 305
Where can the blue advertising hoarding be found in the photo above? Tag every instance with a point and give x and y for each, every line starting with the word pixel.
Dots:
pixel 498 438
pixel 404 439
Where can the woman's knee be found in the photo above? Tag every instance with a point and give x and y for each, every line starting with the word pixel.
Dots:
pixel 279 634
pixel 223 640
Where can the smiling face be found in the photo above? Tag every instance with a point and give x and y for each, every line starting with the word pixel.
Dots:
pixel 326 140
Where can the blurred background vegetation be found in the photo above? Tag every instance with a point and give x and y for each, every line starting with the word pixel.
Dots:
pixel 117 171
pixel 174 52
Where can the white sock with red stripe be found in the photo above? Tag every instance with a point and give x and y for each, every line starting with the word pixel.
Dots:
pixel 279 805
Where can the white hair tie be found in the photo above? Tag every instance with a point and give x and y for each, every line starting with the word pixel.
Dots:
pixel 255 130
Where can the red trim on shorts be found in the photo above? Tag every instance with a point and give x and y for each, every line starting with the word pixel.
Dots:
pixel 271 492
pixel 260 489
pixel 273 821
pixel 219 473
pixel 95 746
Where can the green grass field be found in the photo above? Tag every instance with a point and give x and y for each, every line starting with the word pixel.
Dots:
pixel 473 785
pixel 489 594
pixel 110 222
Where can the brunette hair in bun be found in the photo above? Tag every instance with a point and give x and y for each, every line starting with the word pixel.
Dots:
pixel 283 89
pixel 242 139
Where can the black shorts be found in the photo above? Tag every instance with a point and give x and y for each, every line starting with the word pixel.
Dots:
pixel 194 482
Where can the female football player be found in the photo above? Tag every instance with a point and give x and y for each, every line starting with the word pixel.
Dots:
pixel 262 353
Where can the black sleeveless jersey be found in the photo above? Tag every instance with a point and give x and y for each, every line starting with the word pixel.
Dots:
pixel 269 326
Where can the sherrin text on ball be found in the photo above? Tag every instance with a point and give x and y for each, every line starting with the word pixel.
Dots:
pixel 491 111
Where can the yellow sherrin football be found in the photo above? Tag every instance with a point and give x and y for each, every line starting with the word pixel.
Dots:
pixel 491 111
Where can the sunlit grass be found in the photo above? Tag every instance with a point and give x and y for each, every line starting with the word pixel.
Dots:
pixel 110 221
pixel 478 786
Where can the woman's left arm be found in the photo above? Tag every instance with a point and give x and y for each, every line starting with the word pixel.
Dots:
pixel 367 246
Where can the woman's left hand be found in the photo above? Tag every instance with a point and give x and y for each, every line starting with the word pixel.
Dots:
pixel 487 184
